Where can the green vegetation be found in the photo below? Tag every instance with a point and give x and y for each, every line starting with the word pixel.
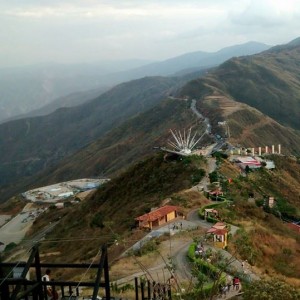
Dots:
pixel 270 290
pixel 112 210
pixel 33 144
pixel 246 249
pixel 10 247
pixel 208 275
pixel 147 247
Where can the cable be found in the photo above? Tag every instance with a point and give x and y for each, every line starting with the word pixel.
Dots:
pixel 7 276
pixel 89 267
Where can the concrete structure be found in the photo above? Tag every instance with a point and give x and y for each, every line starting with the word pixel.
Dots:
pixel 158 217
pixel 271 202
pixel 62 190
pixel 251 162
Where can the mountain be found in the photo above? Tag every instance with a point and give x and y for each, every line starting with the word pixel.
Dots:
pixel 25 89
pixel 32 144
pixel 112 153
pixel 108 215
pixel 268 81
pixel 190 62
pixel 70 100
pixel 248 126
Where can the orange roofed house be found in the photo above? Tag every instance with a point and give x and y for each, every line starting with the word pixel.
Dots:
pixel 158 216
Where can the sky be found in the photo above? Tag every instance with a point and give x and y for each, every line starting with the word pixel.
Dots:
pixel 85 31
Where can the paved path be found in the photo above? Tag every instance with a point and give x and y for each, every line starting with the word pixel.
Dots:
pixel 171 228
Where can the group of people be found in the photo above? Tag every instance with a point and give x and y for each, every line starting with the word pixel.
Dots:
pixel 234 282
pixel 199 251
pixel 176 226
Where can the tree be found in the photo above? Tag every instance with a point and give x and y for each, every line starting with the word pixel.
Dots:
pixel 270 290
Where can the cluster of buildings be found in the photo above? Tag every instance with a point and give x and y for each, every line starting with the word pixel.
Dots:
pixel 63 190
pixel 163 215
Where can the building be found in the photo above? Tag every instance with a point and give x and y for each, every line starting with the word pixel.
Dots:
pixel 220 235
pixel 210 212
pixel 158 217
pixel 249 161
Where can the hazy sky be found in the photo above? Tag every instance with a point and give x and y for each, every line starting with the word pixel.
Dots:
pixel 34 31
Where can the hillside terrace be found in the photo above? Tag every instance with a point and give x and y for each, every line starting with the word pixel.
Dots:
pixel 62 190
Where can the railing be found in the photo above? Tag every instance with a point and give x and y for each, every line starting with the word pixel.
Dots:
pixel 21 288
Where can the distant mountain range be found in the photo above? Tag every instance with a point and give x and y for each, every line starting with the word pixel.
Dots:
pixel 104 136
pixel 31 88
pixel 31 144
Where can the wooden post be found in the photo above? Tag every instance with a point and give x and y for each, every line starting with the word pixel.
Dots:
pixel 106 276
pixel 136 284
pixel 149 289
pixel 142 289
pixel 38 273
pixel 4 290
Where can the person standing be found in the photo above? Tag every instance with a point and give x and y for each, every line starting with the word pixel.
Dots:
pixel 51 293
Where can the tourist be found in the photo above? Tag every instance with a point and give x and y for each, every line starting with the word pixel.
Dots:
pixel 236 283
pixel 51 293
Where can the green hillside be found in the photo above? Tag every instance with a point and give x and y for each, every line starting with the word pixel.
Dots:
pixel 268 81
pixel 110 212
pixel 33 144
pixel 263 239
pixel 247 126
pixel 116 150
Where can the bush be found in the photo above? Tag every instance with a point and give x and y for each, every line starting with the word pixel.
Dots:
pixel 10 246
pixel 97 220
pixel 270 290
pixel 213 176
pixel 198 175
pixel 211 220
pixel 147 247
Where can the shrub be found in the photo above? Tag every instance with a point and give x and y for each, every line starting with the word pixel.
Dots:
pixel 270 290
pixel 198 175
pixel 97 220
pixel 10 246
pixel 149 246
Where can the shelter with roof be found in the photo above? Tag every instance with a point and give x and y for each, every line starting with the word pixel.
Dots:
pixel 158 217
pixel 248 161
pixel 220 235
pixel 210 212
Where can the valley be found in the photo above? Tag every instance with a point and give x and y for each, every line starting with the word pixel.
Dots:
pixel 203 186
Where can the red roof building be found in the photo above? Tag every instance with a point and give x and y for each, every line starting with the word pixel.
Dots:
pixel 158 216
pixel 220 234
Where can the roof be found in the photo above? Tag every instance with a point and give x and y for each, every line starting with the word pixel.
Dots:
pixel 219 224
pixel 216 192
pixel 157 213
pixel 217 227
pixel 248 160
pixel 210 210
pixel 220 232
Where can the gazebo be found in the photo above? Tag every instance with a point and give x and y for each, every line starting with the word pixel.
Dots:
pixel 220 234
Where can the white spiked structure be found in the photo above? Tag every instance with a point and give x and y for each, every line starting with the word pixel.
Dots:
pixel 185 142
